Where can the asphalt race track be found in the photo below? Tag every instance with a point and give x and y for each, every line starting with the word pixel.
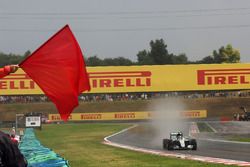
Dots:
pixel 207 146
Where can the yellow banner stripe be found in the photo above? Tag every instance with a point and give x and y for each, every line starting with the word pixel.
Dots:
pixel 111 116
pixel 146 79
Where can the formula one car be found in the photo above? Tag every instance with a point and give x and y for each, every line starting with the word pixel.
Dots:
pixel 178 142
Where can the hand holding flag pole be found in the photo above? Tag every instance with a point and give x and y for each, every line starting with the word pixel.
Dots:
pixel 58 68
pixel 6 70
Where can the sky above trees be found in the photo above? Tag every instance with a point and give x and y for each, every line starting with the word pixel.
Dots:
pixel 122 28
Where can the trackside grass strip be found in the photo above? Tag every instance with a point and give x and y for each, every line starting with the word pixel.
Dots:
pixel 203 127
pixel 240 139
pixel 81 145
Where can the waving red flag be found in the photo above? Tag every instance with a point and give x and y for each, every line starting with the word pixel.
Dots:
pixel 58 68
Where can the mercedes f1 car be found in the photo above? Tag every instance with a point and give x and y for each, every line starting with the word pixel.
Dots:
pixel 178 142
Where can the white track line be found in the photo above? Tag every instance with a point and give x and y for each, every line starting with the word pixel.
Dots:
pixel 211 127
pixel 124 130
pixel 176 155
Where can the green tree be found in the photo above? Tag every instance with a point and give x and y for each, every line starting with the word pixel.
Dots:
pixel 207 60
pixel 120 61
pixel 180 59
pixel 27 53
pixel 232 54
pixel 159 52
pixel 144 58
pixel 6 59
pixel 226 55
pixel 94 61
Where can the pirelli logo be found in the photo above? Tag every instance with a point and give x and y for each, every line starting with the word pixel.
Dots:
pixel 223 76
pixel 120 79
pixel 125 116
pixel 91 116
pixel 17 82
pixel 97 80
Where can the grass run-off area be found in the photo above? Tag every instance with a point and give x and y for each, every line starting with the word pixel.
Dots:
pixel 81 145
pixel 240 139
pixel 203 127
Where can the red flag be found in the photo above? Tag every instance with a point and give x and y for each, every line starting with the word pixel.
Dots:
pixel 59 70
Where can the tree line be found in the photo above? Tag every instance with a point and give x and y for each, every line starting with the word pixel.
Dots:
pixel 158 54
pixel 6 59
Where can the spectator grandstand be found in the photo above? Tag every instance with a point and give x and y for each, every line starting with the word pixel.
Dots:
pixel 127 96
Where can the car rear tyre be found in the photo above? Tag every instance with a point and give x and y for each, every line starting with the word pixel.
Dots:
pixel 194 144
pixel 165 143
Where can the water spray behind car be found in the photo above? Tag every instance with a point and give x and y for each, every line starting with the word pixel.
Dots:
pixel 167 118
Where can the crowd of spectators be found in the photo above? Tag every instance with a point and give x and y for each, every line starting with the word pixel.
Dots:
pixel 229 94
pixel 23 99
pixel 126 96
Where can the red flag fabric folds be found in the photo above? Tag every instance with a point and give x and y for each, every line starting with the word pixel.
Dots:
pixel 58 68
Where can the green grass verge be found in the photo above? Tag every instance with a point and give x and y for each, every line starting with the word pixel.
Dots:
pixel 240 139
pixel 81 145
pixel 203 127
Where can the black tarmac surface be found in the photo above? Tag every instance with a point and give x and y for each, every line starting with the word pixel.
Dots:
pixel 207 142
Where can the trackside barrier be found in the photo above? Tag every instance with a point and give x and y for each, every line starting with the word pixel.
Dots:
pixel 120 116
pixel 38 155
